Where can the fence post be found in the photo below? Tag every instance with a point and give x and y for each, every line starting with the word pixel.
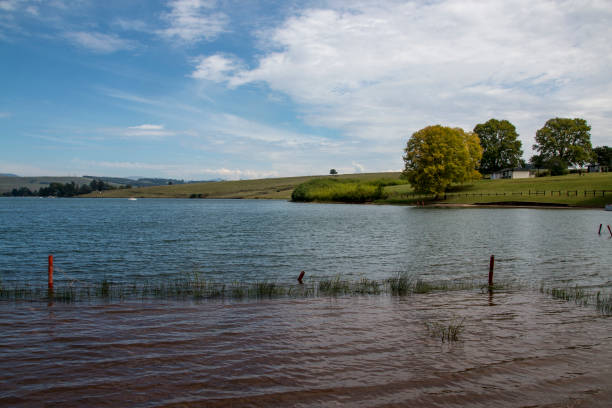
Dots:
pixel 50 273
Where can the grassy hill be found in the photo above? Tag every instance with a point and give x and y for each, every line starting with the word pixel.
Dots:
pixel 272 188
pixel 8 183
pixel 571 190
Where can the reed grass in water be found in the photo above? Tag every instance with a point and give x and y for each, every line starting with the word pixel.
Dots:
pixel 601 301
pixel 195 286
pixel 446 332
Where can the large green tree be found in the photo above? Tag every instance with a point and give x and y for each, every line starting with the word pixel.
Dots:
pixel 603 155
pixel 437 156
pixel 568 140
pixel 500 145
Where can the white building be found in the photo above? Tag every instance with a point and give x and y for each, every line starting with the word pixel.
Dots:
pixel 515 173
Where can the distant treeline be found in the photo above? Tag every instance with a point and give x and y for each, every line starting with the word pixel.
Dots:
pixel 62 190
pixel 145 182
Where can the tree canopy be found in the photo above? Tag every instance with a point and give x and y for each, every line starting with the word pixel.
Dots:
pixel 500 145
pixel 603 155
pixel 437 156
pixel 566 139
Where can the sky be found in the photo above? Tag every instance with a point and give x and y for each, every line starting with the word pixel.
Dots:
pixel 235 89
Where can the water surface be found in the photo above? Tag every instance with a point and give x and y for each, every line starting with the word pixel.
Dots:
pixel 518 348
pixel 249 240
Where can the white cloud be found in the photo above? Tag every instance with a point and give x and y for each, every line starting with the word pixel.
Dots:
pixel 99 42
pixel 147 131
pixel 193 21
pixel 8 5
pixel 357 167
pixel 32 10
pixel 379 71
pixel 231 127
pixel 182 171
pixel 216 68
pixel 4 115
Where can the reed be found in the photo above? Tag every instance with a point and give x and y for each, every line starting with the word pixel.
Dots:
pixel 400 285
pixel 446 332
pixel 600 301
pixel 334 286
pixel 196 287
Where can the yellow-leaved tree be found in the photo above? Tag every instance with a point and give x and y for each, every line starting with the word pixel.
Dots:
pixel 438 156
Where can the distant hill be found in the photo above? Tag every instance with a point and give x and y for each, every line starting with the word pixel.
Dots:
pixel 144 182
pixel 8 183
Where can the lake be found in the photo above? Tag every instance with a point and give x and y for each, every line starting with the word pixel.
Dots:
pixel 517 347
pixel 251 240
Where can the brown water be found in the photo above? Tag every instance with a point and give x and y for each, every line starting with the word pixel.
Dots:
pixel 518 350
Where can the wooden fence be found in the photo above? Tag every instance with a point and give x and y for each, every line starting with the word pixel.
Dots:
pixel 528 193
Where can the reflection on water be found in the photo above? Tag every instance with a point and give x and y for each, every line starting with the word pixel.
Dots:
pixel 518 349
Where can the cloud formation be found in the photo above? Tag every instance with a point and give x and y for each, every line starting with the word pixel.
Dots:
pixel 189 171
pixel 193 20
pixel 147 131
pixel 382 70
pixel 99 42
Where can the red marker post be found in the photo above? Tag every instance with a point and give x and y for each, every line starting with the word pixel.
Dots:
pixel 491 266
pixel 50 270
pixel 301 276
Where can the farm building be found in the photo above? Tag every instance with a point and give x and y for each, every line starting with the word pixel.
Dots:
pixel 514 173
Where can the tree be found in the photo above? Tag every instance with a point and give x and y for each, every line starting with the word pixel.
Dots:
pixel 333 172
pixel 566 139
pixel 500 145
pixel 603 155
pixel 437 156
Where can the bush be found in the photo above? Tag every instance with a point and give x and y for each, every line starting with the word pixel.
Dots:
pixel 340 190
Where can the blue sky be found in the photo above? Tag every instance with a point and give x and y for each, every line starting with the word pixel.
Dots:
pixel 201 89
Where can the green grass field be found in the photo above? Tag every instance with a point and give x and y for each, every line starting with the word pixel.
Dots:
pixel 561 190
pixel 272 188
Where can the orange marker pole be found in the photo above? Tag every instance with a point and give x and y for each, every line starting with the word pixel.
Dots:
pixel 301 276
pixel 491 266
pixel 50 272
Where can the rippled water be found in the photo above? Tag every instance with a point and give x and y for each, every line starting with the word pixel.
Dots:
pixel 517 349
pixel 249 240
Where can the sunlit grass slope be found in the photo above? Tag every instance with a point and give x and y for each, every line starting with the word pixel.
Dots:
pixel 272 188
pixel 568 190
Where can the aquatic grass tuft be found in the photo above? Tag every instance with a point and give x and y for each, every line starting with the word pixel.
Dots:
pixel 367 286
pixel 334 286
pixel 400 284
pixel 580 296
pixel 196 287
pixel 446 332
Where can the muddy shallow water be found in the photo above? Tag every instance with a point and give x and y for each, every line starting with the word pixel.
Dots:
pixel 518 349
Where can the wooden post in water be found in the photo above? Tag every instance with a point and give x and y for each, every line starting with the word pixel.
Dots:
pixel 301 276
pixel 491 267
pixel 610 231
pixel 50 270
pixel 600 225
